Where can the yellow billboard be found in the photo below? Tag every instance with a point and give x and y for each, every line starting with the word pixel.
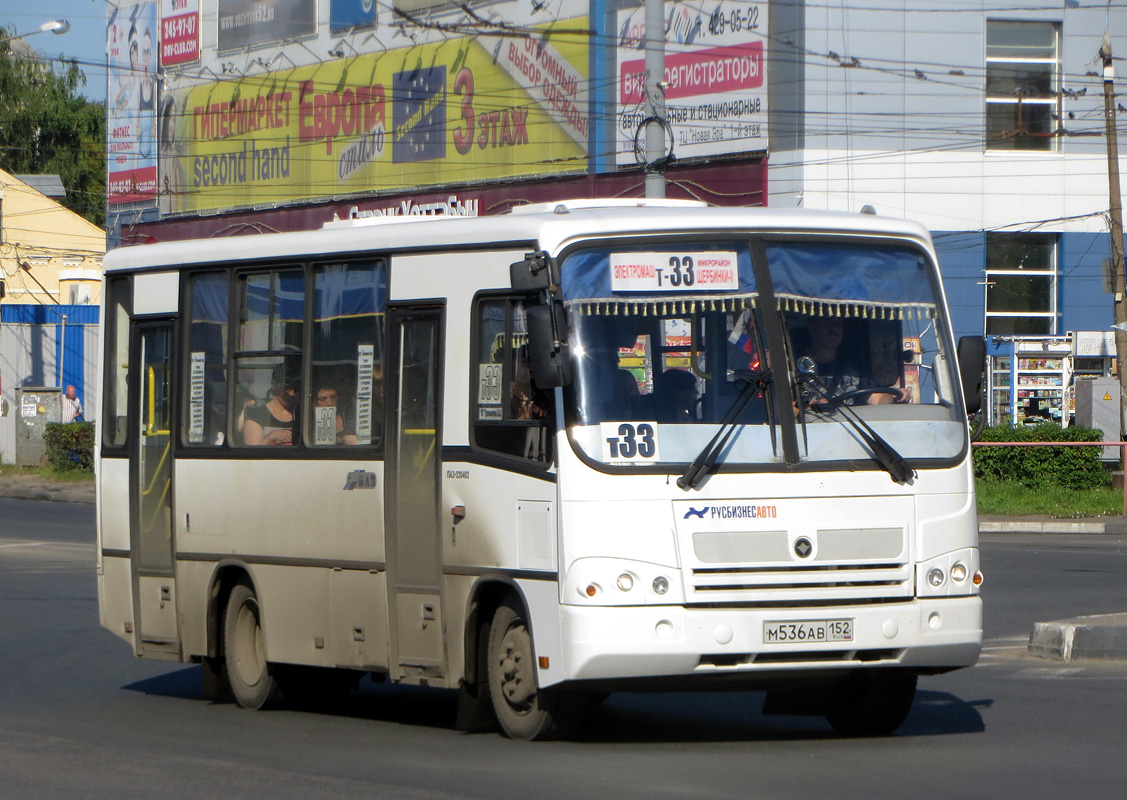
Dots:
pixel 465 110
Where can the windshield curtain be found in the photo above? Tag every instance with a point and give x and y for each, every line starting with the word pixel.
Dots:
pixel 666 338
pixel 868 316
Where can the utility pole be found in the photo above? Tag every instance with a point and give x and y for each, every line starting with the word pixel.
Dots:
pixel 1115 223
pixel 655 97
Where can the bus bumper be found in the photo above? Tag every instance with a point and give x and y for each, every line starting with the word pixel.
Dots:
pixel 601 643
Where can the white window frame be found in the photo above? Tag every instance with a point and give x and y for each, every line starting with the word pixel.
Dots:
pixel 1052 272
pixel 1053 101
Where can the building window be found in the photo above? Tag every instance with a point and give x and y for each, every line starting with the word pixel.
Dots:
pixel 1022 85
pixel 1021 284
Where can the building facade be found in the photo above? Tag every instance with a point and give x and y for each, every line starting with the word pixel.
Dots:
pixel 51 260
pixel 984 121
pixel 48 254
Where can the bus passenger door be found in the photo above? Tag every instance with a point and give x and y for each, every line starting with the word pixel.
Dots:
pixel 150 472
pixel 411 483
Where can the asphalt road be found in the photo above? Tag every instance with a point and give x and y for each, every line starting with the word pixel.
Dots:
pixel 80 717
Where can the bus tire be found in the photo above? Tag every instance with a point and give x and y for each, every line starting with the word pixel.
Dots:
pixel 523 710
pixel 872 703
pixel 252 680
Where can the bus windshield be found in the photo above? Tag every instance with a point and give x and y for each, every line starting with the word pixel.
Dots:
pixel 670 349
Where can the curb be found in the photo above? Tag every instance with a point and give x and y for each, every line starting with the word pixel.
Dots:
pixel 50 493
pixel 1099 636
pixel 1115 526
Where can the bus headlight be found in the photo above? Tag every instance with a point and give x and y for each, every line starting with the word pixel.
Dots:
pixel 951 574
pixel 621 582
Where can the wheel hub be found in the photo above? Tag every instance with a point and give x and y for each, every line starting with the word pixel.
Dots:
pixel 516 683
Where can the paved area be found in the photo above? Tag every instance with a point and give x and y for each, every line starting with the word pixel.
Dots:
pixel 39 487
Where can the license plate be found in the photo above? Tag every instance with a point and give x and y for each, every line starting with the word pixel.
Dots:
pixel 813 630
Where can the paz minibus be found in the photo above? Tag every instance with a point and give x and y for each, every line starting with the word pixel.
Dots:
pixel 543 456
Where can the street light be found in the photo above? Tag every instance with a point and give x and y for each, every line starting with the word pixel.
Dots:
pixel 55 26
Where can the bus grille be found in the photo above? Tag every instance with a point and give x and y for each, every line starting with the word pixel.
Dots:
pixel 762 568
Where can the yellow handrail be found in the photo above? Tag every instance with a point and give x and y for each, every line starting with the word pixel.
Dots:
pixel 150 430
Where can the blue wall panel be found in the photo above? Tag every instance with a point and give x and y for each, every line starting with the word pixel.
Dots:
pixel 962 260
pixel 1083 303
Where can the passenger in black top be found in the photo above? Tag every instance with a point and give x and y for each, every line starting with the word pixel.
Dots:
pixel 275 422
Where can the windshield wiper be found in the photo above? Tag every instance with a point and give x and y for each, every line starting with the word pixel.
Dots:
pixel 885 454
pixel 755 382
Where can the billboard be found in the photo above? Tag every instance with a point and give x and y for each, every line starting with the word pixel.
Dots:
pixel 244 23
pixel 131 158
pixel 715 78
pixel 347 14
pixel 462 110
pixel 179 32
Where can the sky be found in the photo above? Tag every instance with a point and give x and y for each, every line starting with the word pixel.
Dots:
pixel 85 42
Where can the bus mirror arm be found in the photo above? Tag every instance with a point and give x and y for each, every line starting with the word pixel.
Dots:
pixel 547 345
pixel 537 273
pixel 971 355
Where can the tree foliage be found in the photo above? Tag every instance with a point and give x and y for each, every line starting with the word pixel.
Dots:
pixel 47 127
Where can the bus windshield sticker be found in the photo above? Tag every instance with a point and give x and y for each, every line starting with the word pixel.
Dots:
pixel 489 385
pixel 196 399
pixel 365 366
pixel 629 442
pixel 325 425
pixel 705 271
pixel 494 414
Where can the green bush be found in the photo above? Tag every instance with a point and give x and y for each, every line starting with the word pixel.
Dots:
pixel 70 446
pixel 1067 467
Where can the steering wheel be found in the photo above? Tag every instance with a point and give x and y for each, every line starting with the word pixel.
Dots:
pixel 841 398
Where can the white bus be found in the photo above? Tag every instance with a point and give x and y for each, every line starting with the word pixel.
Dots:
pixel 540 457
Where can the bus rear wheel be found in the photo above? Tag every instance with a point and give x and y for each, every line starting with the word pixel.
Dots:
pixel 523 710
pixel 872 703
pixel 252 681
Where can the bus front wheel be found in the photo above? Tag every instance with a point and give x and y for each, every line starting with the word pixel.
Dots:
pixel 523 710
pixel 872 703
pixel 252 681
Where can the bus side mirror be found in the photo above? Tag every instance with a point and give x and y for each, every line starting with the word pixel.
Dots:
pixel 547 346
pixel 972 370
pixel 534 274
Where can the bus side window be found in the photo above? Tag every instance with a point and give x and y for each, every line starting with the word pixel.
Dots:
pixel 116 401
pixel 509 414
pixel 349 312
pixel 206 420
pixel 268 360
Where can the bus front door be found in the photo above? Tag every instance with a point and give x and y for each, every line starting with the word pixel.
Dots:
pixel 150 518
pixel 411 483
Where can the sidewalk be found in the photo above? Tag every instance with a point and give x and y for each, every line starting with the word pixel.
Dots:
pixel 42 487
pixel 1090 525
